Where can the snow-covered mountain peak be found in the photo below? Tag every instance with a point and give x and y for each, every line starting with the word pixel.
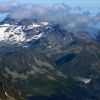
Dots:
pixel 18 33
pixel 34 33
pixel 8 33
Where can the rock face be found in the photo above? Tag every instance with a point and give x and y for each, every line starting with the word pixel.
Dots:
pixel 8 91
pixel 47 62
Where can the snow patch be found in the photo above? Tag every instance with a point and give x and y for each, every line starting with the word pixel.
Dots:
pixel 83 79
pixel 36 37
pixel 44 23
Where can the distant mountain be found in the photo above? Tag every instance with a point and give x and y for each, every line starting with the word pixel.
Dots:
pixel 19 31
pixel 48 62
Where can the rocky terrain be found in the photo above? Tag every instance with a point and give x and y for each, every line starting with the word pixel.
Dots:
pixel 47 62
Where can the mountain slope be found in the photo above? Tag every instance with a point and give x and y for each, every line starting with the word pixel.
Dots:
pixel 47 62
pixel 8 91
pixel 78 59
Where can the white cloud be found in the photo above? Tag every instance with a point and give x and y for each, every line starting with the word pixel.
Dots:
pixel 57 13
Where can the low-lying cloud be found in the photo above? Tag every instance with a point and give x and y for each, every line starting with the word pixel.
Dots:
pixel 57 13
pixel 7 7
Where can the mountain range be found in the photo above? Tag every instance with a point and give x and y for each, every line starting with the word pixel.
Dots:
pixel 47 62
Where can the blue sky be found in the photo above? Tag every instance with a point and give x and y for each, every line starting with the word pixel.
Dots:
pixel 70 2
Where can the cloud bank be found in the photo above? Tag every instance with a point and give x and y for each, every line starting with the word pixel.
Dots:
pixel 57 13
